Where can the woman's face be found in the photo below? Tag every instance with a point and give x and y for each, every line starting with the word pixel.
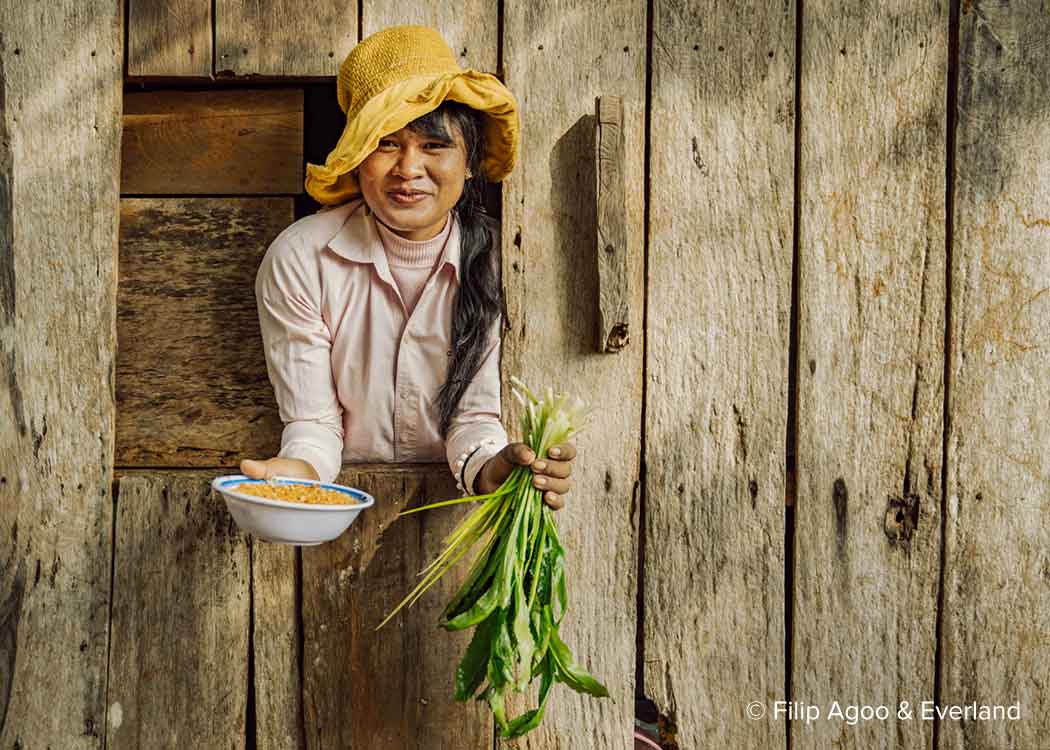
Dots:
pixel 412 181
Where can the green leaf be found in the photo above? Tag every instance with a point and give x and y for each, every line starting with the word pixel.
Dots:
pixel 478 581
pixel 571 673
pixel 499 588
pixel 542 621
pixel 531 719
pixel 495 701
pixel 557 558
pixel 501 661
pixel 525 646
pixel 472 669
pixel 479 611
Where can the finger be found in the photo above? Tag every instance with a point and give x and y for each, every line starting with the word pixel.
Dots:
pixel 563 452
pixel 557 502
pixel 519 454
pixel 560 469
pixel 543 482
pixel 253 468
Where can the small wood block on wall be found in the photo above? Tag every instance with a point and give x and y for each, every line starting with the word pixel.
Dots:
pixel 223 142
pixel 192 387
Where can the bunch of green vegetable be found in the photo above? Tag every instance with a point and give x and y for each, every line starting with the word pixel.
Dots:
pixel 515 595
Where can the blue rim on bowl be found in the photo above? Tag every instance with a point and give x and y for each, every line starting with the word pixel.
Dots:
pixel 223 484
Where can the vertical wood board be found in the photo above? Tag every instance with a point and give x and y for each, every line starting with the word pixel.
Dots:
pixel 60 85
pixel 276 647
pixel 720 262
pixel 559 57
pixel 469 27
pixel 283 37
pixel 179 660
pixel 170 38
pixel 996 623
pixel 390 688
pixel 870 390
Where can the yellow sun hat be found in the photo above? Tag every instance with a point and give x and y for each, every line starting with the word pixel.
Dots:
pixel 395 76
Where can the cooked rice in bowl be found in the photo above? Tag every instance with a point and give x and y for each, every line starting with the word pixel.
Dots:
pixel 309 494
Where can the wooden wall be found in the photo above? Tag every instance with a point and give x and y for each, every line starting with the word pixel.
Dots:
pixel 817 470
pixel 60 134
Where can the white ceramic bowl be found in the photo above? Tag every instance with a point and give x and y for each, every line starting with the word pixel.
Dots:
pixel 290 523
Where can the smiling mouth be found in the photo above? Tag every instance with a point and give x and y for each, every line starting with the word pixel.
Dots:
pixel 407 196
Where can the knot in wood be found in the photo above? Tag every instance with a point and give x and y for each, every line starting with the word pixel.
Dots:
pixel 902 517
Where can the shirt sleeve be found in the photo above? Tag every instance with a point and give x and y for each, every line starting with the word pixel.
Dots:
pixel 298 347
pixel 476 422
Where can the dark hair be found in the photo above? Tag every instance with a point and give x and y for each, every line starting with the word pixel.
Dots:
pixel 479 300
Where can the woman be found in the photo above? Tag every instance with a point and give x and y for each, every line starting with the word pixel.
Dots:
pixel 381 312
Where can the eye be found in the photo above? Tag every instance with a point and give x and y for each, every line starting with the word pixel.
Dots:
pixel 436 144
pixel 386 144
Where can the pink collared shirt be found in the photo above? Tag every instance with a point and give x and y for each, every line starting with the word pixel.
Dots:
pixel 355 376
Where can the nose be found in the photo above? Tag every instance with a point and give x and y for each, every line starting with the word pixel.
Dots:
pixel 409 162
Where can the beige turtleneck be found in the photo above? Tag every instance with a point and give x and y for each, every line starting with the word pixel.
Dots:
pixel 412 261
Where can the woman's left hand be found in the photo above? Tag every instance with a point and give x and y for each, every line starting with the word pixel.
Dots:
pixel 550 475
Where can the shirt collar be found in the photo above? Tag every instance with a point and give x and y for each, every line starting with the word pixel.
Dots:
pixel 358 240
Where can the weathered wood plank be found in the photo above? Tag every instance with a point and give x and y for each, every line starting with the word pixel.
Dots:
pixel 614 293
pixel 60 90
pixel 390 688
pixel 179 660
pixel 871 330
pixel 721 171
pixel 559 57
pixel 275 642
pixel 246 142
pixel 440 720
pixel 996 623
pixel 170 38
pixel 192 386
pixel 283 37
pixel 469 27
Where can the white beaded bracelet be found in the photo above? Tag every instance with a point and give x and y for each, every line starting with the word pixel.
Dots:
pixel 461 463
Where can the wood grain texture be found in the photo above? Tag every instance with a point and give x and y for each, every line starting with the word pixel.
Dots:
pixel 170 38
pixel 60 88
pixel 559 57
pixel 996 623
pixel 228 142
pixel 192 386
pixel 179 659
pixel 719 302
pixel 614 292
pixel 388 689
pixel 469 27
pixel 283 37
pixel 870 388
pixel 276 647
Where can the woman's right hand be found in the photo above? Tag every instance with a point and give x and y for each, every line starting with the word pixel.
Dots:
pixel 278 467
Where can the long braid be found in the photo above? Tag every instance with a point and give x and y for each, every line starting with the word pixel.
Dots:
pixel 479 300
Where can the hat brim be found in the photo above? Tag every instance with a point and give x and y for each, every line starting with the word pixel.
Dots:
pixel 397 106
